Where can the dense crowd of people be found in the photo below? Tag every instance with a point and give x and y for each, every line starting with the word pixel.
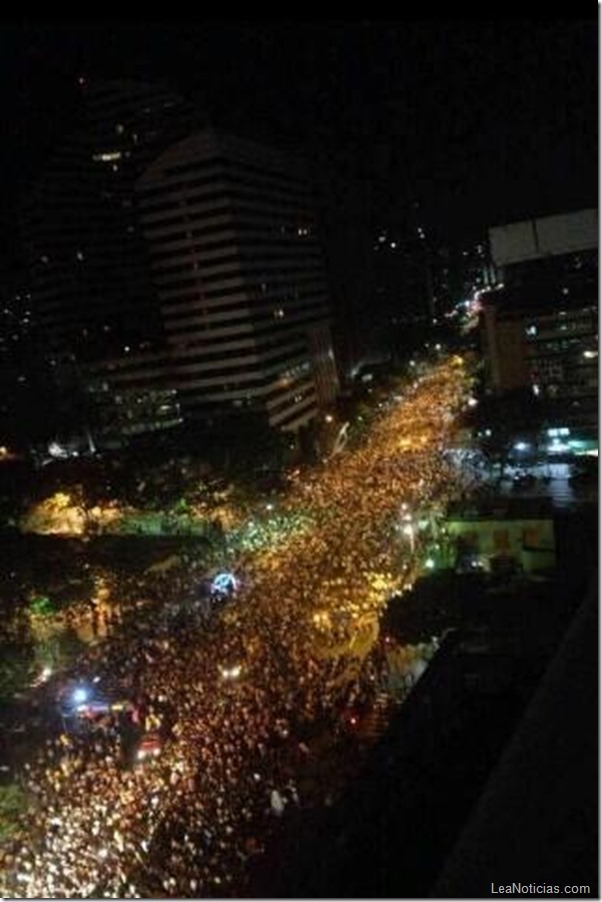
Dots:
pixel 237 698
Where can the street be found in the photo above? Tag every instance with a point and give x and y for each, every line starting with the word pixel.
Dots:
pixel 237 699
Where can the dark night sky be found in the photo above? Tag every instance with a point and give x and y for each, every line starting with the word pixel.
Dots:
pixel 481 122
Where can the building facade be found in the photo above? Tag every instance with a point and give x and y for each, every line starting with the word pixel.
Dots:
pixel 240 278
pixel 84 252
pixel 174 274
pixel 539 328
pixel 528 541
pixel 553 245
pixel 92 298
pixel 546 341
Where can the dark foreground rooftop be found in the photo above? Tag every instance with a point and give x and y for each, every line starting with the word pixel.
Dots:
pixel 488 774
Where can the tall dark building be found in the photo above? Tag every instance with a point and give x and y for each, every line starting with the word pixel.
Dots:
pixel 86 256
pixel 239 274
pixel 540 328
pixel 91 295
pixel 24 376
pixel 175 274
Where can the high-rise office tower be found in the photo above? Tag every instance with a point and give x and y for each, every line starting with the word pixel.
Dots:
pixel 175 273
pixel 91 296
pixel 85 255
pixel 240 277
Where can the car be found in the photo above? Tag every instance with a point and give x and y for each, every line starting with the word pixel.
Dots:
pixel 120 705
pixel 231 670
pixel 93 709
pixel 523 481
pixel 149 746
pixel 470 563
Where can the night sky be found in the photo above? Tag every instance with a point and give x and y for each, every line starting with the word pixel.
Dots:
pixel 479 122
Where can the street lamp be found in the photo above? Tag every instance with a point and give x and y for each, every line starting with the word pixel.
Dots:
pixel 80 695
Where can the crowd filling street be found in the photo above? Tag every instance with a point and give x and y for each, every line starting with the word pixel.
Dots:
pixel 210 710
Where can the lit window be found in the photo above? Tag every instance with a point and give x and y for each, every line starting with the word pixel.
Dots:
pixel 107 157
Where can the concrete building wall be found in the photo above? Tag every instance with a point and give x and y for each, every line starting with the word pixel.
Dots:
pixel 232 239
pixel 505 350
pixel 531 542
pixel 565 233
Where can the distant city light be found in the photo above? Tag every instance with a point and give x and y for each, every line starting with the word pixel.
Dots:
pixel 107 157
pixel 56 450
pixel 557 447
pixel 521 446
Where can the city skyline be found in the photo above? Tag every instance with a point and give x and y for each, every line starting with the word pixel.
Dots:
pixel 299 459
pixel 477 122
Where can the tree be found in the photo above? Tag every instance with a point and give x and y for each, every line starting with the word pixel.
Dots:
pixel 13 803
pixel 500 420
